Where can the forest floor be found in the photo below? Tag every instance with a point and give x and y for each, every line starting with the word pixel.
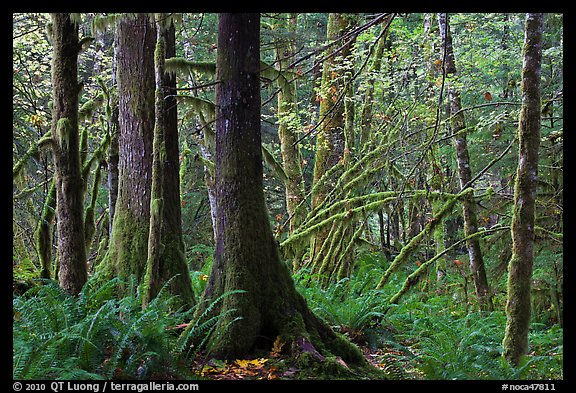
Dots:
pixel 275 367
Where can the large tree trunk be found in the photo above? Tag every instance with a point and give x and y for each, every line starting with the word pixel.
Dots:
pixel 464 172
pixel 520 267
pixel 69 185
pixel 129 241
pixel 246 256
pixel 166 259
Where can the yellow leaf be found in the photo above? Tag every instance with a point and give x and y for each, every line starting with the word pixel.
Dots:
pixel 277 346
pixel 242 363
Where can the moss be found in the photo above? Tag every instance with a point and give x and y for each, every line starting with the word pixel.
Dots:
pixel 183 66
pixel 128 246
pixel 407 250
pixel 63 130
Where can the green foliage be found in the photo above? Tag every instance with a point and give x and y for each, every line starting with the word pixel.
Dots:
pixel 351 305
pixel 98 336
pixel 24 273
pixel 453 344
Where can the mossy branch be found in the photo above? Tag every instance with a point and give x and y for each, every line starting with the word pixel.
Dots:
pixel 407 250
pixel 89 223
pixel 89 107
pixel 31 152
pixel 350 207
pixel 276 167
pixel 413 278
pixel 97 156
pixel 43 232
pixel 180 65
pixel 558 237
pixel 299 234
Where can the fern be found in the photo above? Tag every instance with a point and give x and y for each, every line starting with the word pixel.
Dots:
pixel 351 305
pixel 97 335
pixel 203 326
pixel 452 346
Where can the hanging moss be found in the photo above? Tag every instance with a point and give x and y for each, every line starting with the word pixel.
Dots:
pixel 199 105
pixel 180 65
pixel 63 129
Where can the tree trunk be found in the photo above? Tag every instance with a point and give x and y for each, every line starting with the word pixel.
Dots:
pixel 113 149
pixel 69 185
pixel 520 267
pixel 246 256
pixel 288 125
pixel 44 232
pixel 464 172
pixel 375 66
pixel 166 259
pixel 330 141
pixel 129 241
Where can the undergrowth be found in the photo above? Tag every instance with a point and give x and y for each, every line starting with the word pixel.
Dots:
pixel 99 336
pixel 440 338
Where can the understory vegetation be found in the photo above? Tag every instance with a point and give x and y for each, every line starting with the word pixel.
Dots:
pixel 427 336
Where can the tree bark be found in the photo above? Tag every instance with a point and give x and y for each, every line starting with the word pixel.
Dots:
pixel 287 127
pixel 127 254
pixel 330 141
pixel 458 126
pixel 246 256
pixel 44 232
pixel 166 259
pixel 520 267
pixel 69 185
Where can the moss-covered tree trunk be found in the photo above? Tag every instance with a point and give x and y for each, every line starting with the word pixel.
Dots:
pixel 113 156
pixel 458 126
pixel 330 141
pixel 246 256
pixel 166 259
pixel 366 116
pixel 128 250
pixel 69 185
pixel 520 267
pixel 44 232
pixel 288 123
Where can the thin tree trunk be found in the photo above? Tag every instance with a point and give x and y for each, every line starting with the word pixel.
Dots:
pixel 113 149
pixel 69 185
pixel 375 66
pixel 464 172
pixel 520 267
pixel 44 232
pixel 288 125
pixel 166 259
pixel 330 141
